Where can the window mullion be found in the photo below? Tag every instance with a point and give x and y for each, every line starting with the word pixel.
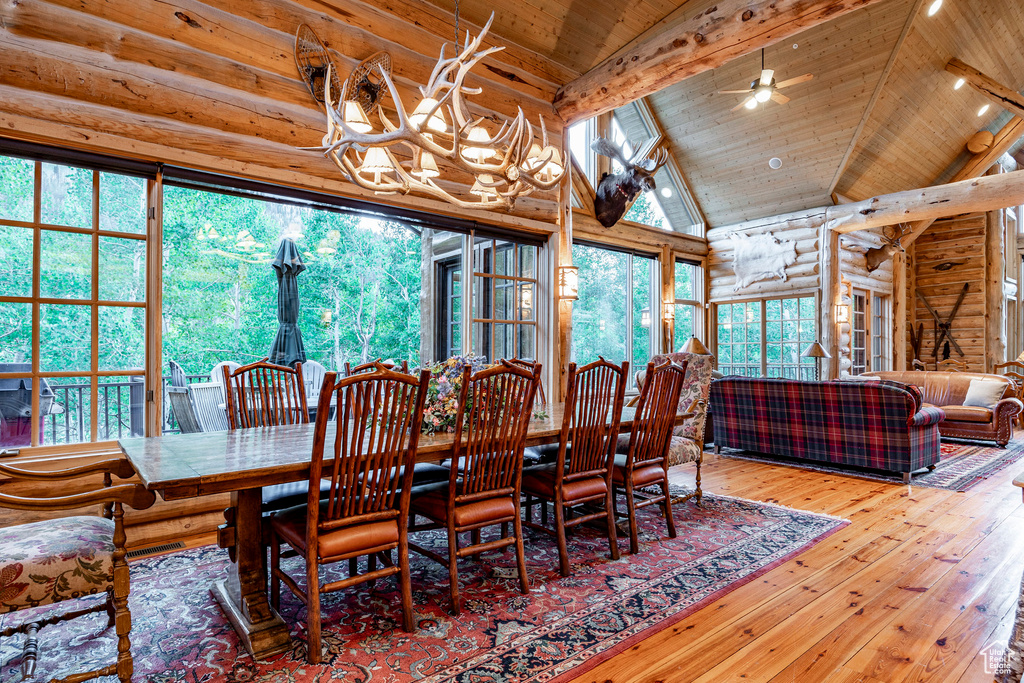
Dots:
pixel 764 337
pixel 35 420
pixel 95 360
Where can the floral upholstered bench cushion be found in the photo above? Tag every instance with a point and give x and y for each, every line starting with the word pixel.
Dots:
pixel 55 560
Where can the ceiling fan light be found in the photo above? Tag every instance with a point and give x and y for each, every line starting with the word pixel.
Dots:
pixel 934 8
pixel 751 103
pixel 763 94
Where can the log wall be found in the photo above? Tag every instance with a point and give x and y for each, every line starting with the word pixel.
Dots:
pixel 213 85
pixel 958 243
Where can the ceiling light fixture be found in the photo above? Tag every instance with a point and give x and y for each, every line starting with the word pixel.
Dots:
pixel 763 94
pixel 959 84
pixel 511 163
pixel 666 192
pixel 983 110
pixel 775 163
pixel 934 8
pixel 751 103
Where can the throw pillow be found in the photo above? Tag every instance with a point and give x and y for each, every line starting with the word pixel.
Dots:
pixel 984 393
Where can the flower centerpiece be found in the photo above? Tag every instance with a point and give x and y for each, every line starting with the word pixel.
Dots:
pixel 442 405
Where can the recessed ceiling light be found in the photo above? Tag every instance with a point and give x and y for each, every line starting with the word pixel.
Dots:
pixel 775 163
pixel 666 192
pixel 959 84
pixel 981 112
pixel 796 45
pixel 934 8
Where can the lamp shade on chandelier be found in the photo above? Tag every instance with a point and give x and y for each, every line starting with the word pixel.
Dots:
pixel 415 152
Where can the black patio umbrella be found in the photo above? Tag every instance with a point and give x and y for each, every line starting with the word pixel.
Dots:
pixel 287 347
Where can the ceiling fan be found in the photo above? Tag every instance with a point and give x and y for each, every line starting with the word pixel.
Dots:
pixel 765 88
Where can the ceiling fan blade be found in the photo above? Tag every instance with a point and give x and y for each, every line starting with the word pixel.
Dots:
pixel 742 104
pixel 734 92
pixel 779 97
pixel 794 81
pixel 766 76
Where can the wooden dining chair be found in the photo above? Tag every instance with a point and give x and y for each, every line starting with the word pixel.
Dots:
pixel 366 511
pixel 530 365
pixel 495 407
pixel 367 367
pixel 263 394
pixel 582 472
pixel 53 561
pixel 951 365
pixel 645 464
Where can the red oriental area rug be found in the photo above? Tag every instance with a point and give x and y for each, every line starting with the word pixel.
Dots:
pixel 564 627
pixel 962 464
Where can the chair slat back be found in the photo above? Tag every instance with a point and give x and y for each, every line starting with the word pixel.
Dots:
pixel 530 365
pixel 495 408
pixel 655 414
pixel 181 408
pixel 370 366
pixel 178 377
pixel 593 409
pixel 207 401
pixel 377 433
pixel 951 365
pixel 263 394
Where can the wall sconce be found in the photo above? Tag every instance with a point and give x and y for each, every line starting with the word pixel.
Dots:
pixel 645 318
pixel 668 311
pixel 568 283
pixel 843 313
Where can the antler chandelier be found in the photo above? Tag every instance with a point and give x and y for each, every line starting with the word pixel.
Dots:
pixel 510 163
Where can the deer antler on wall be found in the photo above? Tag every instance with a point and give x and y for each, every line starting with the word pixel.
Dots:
pixel 617 191
pixel 876 256
pixel 509 164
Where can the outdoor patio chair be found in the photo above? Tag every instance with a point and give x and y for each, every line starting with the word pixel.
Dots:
pixel 181 409
pixel 178 377
pixel 53 561
pixel 207 400
pixel 582 470
pixel 645 464
pixel 495 406
pixel 313 375
pixel 366 511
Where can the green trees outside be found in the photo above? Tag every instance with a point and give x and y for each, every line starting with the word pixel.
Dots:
pixel 359 294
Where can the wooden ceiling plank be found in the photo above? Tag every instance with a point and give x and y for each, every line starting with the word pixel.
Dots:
pixel 996 92
pixel 882 79
pixel 976 167
pixel 678 47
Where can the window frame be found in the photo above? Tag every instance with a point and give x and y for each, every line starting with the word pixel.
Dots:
pixel 763 305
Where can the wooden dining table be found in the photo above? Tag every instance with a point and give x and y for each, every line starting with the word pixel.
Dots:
pixel 242 462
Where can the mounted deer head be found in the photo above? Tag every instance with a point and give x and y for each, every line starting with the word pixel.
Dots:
pixel 616 191
pixel 876 256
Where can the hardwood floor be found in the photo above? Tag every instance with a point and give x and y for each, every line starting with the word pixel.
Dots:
pixel 914 589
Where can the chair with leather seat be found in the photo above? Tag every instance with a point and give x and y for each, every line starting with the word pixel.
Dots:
pixel 645 464
pixel 57 560
pixel 495 406
pixel 582 471
pixel 366 509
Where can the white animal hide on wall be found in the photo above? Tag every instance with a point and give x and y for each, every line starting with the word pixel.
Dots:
pixel 760 257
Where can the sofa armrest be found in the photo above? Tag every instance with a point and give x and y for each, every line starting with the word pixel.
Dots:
pixel 926 416
pixel 1010 407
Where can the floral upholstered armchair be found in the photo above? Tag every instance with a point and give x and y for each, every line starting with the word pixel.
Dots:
pixel 687 438
pixel 50 561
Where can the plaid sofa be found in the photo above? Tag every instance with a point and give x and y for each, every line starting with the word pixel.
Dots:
pixel 880 425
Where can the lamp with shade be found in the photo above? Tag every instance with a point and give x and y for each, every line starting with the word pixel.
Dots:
pixel 817 352
pixel 696 347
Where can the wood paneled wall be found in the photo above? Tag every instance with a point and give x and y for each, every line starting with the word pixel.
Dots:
pixel 213 85
pixel 959 242
pixel 853 246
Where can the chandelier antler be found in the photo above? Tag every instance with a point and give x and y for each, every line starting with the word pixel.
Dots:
pixel 509 164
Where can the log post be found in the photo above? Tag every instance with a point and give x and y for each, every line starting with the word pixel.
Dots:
pixel 563 350
pixel 830 298
pixel 995 333
pixel 668 296
pixel 899 311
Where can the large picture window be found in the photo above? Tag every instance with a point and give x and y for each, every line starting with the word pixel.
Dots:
pixel 618 306
pixel 72 304
pixel 766 337
pixel 504 299
pixel 689 293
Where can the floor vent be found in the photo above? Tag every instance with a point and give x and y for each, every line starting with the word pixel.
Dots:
pixel 155 550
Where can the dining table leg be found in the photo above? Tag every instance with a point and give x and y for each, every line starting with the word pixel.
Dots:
pixel 242 594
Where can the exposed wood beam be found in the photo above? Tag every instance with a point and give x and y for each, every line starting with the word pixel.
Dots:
pixel 914 11
pixel 999 94
pixel 581 188
pixel 680 46
pixel 966 196
pixel 672 167
pixel 976 167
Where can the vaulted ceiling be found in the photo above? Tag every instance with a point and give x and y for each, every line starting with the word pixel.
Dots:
pixel 879 116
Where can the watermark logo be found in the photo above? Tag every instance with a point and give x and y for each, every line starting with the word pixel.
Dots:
pixel 994 658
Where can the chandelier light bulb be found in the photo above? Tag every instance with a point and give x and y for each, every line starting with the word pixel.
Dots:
pixel 355 117
pixel 481 188
pixel 419 115
pixel 553 168
pixel 427 167
pixel 478 154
